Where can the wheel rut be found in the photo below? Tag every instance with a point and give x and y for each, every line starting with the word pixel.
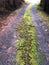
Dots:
pixel 42 36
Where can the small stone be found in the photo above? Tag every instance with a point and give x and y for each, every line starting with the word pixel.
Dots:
pixel 48 45
pixel 9 50
pixel 15 36
pixel 40 49
pixel 44 22
pixel 4 46
pixel 38 35
pixel 46 30
pixel 5 24
pixel 3 30
pixel 17 40
pixel 47 58
pixel 14 53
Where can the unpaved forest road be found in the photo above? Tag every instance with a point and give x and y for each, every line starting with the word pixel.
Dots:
pixel 42 36
pixel 7 38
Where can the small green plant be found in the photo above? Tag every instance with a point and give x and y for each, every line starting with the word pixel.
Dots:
pixel 2 9
pixel 26 45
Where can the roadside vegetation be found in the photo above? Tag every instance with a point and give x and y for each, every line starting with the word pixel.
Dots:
pixel 44 4
pixel 26 45
pixel 42 14
pixel 11 4
pixel 7 9
pixel 43 10
pixel 8 6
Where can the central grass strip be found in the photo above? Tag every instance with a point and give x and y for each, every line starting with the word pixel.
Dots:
pixel 26 45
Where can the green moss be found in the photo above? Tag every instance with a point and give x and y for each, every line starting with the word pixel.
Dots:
pixel 26 46
pixel 3 9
